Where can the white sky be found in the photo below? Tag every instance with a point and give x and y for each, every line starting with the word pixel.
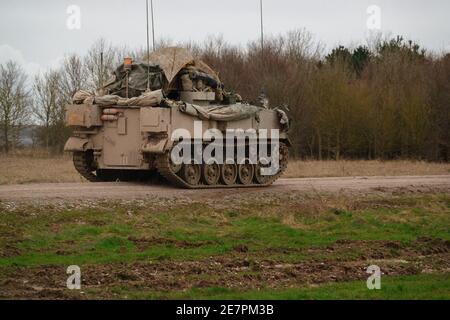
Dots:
pixel 35 33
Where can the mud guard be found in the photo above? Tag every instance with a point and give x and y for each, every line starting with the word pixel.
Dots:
pixel 155 146
pixel 76 144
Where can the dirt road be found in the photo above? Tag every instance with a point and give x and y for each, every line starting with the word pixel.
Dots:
pixel 130 190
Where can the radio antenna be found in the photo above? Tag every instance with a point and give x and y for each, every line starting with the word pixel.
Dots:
pixel 262 29
pixel 262 97
pixel 148 47
pixel 148 40
pixel 153 26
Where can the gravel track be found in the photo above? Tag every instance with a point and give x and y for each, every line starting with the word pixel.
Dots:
pixel 120 190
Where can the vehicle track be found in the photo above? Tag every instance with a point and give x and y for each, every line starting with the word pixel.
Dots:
pixel 120 190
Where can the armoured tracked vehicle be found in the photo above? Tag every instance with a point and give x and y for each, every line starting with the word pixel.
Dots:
pixel 129 128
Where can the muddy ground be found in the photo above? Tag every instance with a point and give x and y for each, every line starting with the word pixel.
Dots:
pixel 241 270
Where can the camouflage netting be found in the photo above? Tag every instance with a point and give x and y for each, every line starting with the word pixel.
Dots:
pixel 138 77
pixel 160 73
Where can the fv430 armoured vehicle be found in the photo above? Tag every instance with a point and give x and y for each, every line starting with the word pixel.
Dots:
pixel 172 117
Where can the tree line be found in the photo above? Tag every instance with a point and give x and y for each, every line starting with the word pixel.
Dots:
pixel 387 99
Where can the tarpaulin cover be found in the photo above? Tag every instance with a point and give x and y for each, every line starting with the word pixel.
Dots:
pixel 80 96
pixel 232 112
pixel 147 99
pixel 171 60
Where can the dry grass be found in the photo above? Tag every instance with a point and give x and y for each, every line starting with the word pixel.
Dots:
pixel 35 167
pixel 300 169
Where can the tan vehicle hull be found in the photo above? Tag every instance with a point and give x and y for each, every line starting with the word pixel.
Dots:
pixel 134 142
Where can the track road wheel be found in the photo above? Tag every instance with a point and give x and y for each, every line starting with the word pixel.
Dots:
pixel 191 174
pixel 229 174
pixel 211 173
pixel 259 178
pixel 245 173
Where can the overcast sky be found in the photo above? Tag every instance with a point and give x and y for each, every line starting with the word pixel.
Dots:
pixel 35 33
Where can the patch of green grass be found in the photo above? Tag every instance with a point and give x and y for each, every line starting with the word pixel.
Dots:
pixel 424 286
pixel 260 233
pixel 102 234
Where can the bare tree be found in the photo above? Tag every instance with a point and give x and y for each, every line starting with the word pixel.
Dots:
pixel 100 62
pixel 300 45
pixel 73 77
pixel 13 102
pixel 47 100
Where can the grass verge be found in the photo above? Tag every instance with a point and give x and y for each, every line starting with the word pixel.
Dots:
pixel 278 246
